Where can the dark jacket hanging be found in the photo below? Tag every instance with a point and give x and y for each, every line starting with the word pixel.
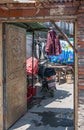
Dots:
pixel 53 46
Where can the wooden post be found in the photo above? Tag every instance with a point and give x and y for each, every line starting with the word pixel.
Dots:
pixel 76 81
pixel 1 80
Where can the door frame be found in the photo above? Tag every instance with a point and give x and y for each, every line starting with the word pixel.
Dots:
pixel 75 70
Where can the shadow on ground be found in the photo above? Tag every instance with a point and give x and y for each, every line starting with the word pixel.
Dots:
pixel 40 117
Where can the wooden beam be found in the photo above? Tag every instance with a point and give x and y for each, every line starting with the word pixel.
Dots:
pixel 1 79
pixel 32 10
pixel 75 80
pixel 23 13
pixel 64 35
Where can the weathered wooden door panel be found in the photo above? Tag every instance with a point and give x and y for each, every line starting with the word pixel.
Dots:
pixel 15 92
pixel 1 80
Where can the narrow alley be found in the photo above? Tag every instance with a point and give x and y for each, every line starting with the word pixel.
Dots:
pixel 52 113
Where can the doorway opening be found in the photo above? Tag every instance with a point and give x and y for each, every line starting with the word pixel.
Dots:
pixel 55 81
pixel 50 84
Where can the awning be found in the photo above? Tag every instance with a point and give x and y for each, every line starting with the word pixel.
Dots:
pixel 31 26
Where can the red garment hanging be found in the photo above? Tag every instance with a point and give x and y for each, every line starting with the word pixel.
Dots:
pixel 53 46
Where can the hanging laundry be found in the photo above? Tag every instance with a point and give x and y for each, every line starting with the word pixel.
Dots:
pixel 66 57
pixel 53 46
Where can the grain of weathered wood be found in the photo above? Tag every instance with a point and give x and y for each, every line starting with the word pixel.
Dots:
pixel 1 79
pixel 15 92
pixel 80 40
pixel 31 11
pixel 75 79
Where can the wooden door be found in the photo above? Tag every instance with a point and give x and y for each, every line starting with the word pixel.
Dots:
pixel 15 90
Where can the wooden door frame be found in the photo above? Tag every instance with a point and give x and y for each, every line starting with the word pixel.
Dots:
pixel 76 80
pixel 1 79
pixel 75 70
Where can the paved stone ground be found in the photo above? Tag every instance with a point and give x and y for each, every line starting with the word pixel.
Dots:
pixel 81 110
pixel 52 113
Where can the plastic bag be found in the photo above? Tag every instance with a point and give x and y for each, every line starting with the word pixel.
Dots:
pixel 32 65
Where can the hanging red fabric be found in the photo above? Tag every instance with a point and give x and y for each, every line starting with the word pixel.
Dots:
pixel 32 65
pixel 53 46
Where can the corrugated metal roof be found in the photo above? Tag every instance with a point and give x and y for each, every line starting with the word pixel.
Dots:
pixel 46 0
pixel 25 1
pixel 57 0
pixel 36 1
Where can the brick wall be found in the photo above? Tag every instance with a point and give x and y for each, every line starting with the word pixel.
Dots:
pixel 80 35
